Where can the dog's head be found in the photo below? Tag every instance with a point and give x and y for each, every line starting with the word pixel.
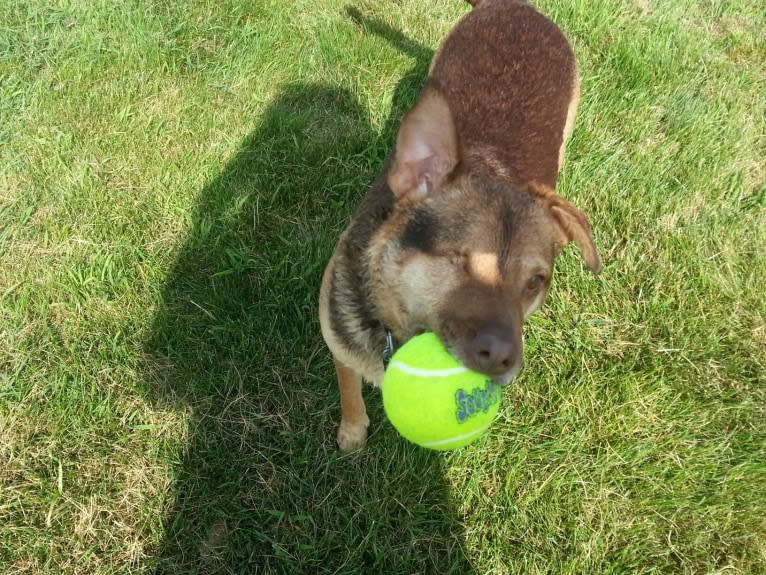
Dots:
pixel 467 253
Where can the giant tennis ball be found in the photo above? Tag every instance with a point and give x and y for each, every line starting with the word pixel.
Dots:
pixel 433 400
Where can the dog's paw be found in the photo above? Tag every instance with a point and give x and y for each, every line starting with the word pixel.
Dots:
pixel 353 435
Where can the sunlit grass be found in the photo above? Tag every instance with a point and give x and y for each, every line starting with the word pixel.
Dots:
pixel 173 178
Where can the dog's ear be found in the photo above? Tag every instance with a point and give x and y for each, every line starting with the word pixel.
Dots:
pixel 571 225
pixel 426 148
pixel 574 226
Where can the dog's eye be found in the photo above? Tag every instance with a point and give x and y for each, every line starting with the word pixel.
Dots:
pixel 457 258
pixel 535 283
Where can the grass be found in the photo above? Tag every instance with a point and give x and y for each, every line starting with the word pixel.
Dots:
pixel 173 177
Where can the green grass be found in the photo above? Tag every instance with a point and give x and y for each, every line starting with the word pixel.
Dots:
pixel 173 177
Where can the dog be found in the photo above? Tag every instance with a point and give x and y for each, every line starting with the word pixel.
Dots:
pixel 459 233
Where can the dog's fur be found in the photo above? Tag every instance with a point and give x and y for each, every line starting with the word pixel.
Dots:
pixel 459 233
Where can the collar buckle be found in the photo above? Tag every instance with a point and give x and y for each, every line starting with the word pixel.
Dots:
pixel 388 351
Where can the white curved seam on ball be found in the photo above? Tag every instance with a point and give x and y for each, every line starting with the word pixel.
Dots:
pixel 455 438
pixel 419 372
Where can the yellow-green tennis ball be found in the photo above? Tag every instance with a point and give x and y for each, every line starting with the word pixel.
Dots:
pixel 433 400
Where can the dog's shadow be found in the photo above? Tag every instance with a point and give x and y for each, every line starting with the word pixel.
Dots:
pixel 261 486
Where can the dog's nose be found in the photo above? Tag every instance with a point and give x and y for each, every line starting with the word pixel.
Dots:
pixel 492 350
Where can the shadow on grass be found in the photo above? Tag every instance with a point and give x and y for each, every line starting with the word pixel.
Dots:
pixel 261 487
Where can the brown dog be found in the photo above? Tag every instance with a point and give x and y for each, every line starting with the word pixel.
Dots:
pixel 459 233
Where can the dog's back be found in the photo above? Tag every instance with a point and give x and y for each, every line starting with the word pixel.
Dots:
pixel 508 70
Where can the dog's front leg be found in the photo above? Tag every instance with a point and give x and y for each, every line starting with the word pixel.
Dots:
pixel 354 422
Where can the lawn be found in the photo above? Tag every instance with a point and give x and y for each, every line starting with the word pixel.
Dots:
pixel 173 177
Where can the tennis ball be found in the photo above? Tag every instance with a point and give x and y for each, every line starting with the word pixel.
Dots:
pixel 433 400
